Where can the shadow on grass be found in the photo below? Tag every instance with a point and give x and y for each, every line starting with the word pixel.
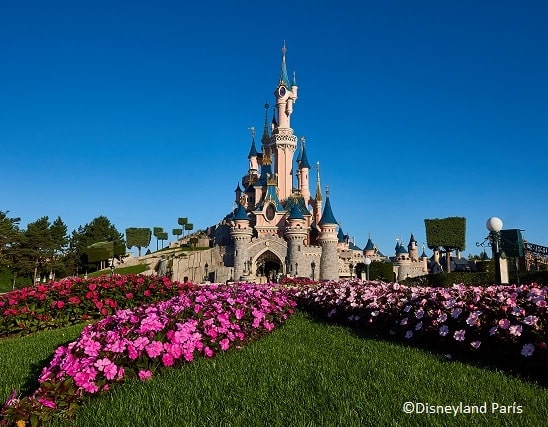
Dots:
pixel 500 358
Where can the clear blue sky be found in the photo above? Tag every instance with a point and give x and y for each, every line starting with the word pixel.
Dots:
pixel 415 109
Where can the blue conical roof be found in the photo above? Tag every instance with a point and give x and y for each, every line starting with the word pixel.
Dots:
pixel 369 245
pixel 304 159
pixel 340 236
pixel 295 213
pixel 252 150
pixel 328 217
pixel 240 213
pixel 284 79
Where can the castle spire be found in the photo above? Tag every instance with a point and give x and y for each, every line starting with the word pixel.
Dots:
pixel 318 186
pixel 284 80
pixel 265 136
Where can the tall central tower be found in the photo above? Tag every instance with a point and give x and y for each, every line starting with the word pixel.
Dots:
pixel 282 142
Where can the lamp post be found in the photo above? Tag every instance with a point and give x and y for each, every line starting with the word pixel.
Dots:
pixel 494 225
pixel 367 262
pixel 313 267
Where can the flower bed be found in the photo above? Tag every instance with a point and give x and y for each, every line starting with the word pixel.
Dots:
pixel 72 300
pixel 136 343
pixel 512 319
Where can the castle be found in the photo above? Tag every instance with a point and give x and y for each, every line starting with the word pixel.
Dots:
pixel 278 228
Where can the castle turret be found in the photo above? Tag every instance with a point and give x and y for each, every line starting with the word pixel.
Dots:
pixel 282 142
pixel 295 234
pixel 241 232
pixel 304 168
pixel 413 249
pixel 329 265
pixel 318 199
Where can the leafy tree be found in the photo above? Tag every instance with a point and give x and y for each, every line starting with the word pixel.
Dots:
pixel 138 237
pixel 163 236
pixel 182 222
pixel 189 227
pixel 177 231
pixel 37 246
pixel 10 237
pixel 447 233
pixel 157 231
pixel 98 230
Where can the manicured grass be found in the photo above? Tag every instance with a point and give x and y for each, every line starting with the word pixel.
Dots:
pixel 133 269
pixel 21 359
pixel 305 373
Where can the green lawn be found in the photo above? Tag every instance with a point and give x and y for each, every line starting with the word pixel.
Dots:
pixel 305 373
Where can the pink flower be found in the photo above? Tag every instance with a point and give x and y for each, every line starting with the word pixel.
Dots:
pixel 224 343
pixel 459 335
pixel 475 344
pixel 527 350
pixel 167 359
pixel 404 321
pixel 154 349
pixel 504 323
pixel 208 352
pixel 46 402
pixel 144 375
pixel 515 330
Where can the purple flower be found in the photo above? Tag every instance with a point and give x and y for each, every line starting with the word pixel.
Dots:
pixel 459 335
pixel 528 350
pixel 444 330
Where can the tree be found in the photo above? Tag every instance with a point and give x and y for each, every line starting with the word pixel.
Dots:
pixel 189 227
pixel 10 237
pixel 447 233
pixel 157 231
pixel 163 236
pixel 138 237
pixel 98 230
pixel 177 232
pixel 38 246
pixel 182 222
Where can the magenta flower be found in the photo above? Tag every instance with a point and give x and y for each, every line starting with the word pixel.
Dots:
pixel 144 375
pixel 154 349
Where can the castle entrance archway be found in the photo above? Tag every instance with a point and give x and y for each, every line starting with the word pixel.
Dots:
pixel 268 266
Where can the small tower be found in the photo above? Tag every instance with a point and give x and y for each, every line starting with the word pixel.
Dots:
pixel 304 168
pixel 241 233
pixel 413 249
pixel 369 250
pixel 329 265
pixel 295 233
pixel 318 199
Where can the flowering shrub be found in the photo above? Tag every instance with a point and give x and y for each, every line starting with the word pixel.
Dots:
pixel 297 281
pixel 461 317
pixel 72 300
pixel 135 343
